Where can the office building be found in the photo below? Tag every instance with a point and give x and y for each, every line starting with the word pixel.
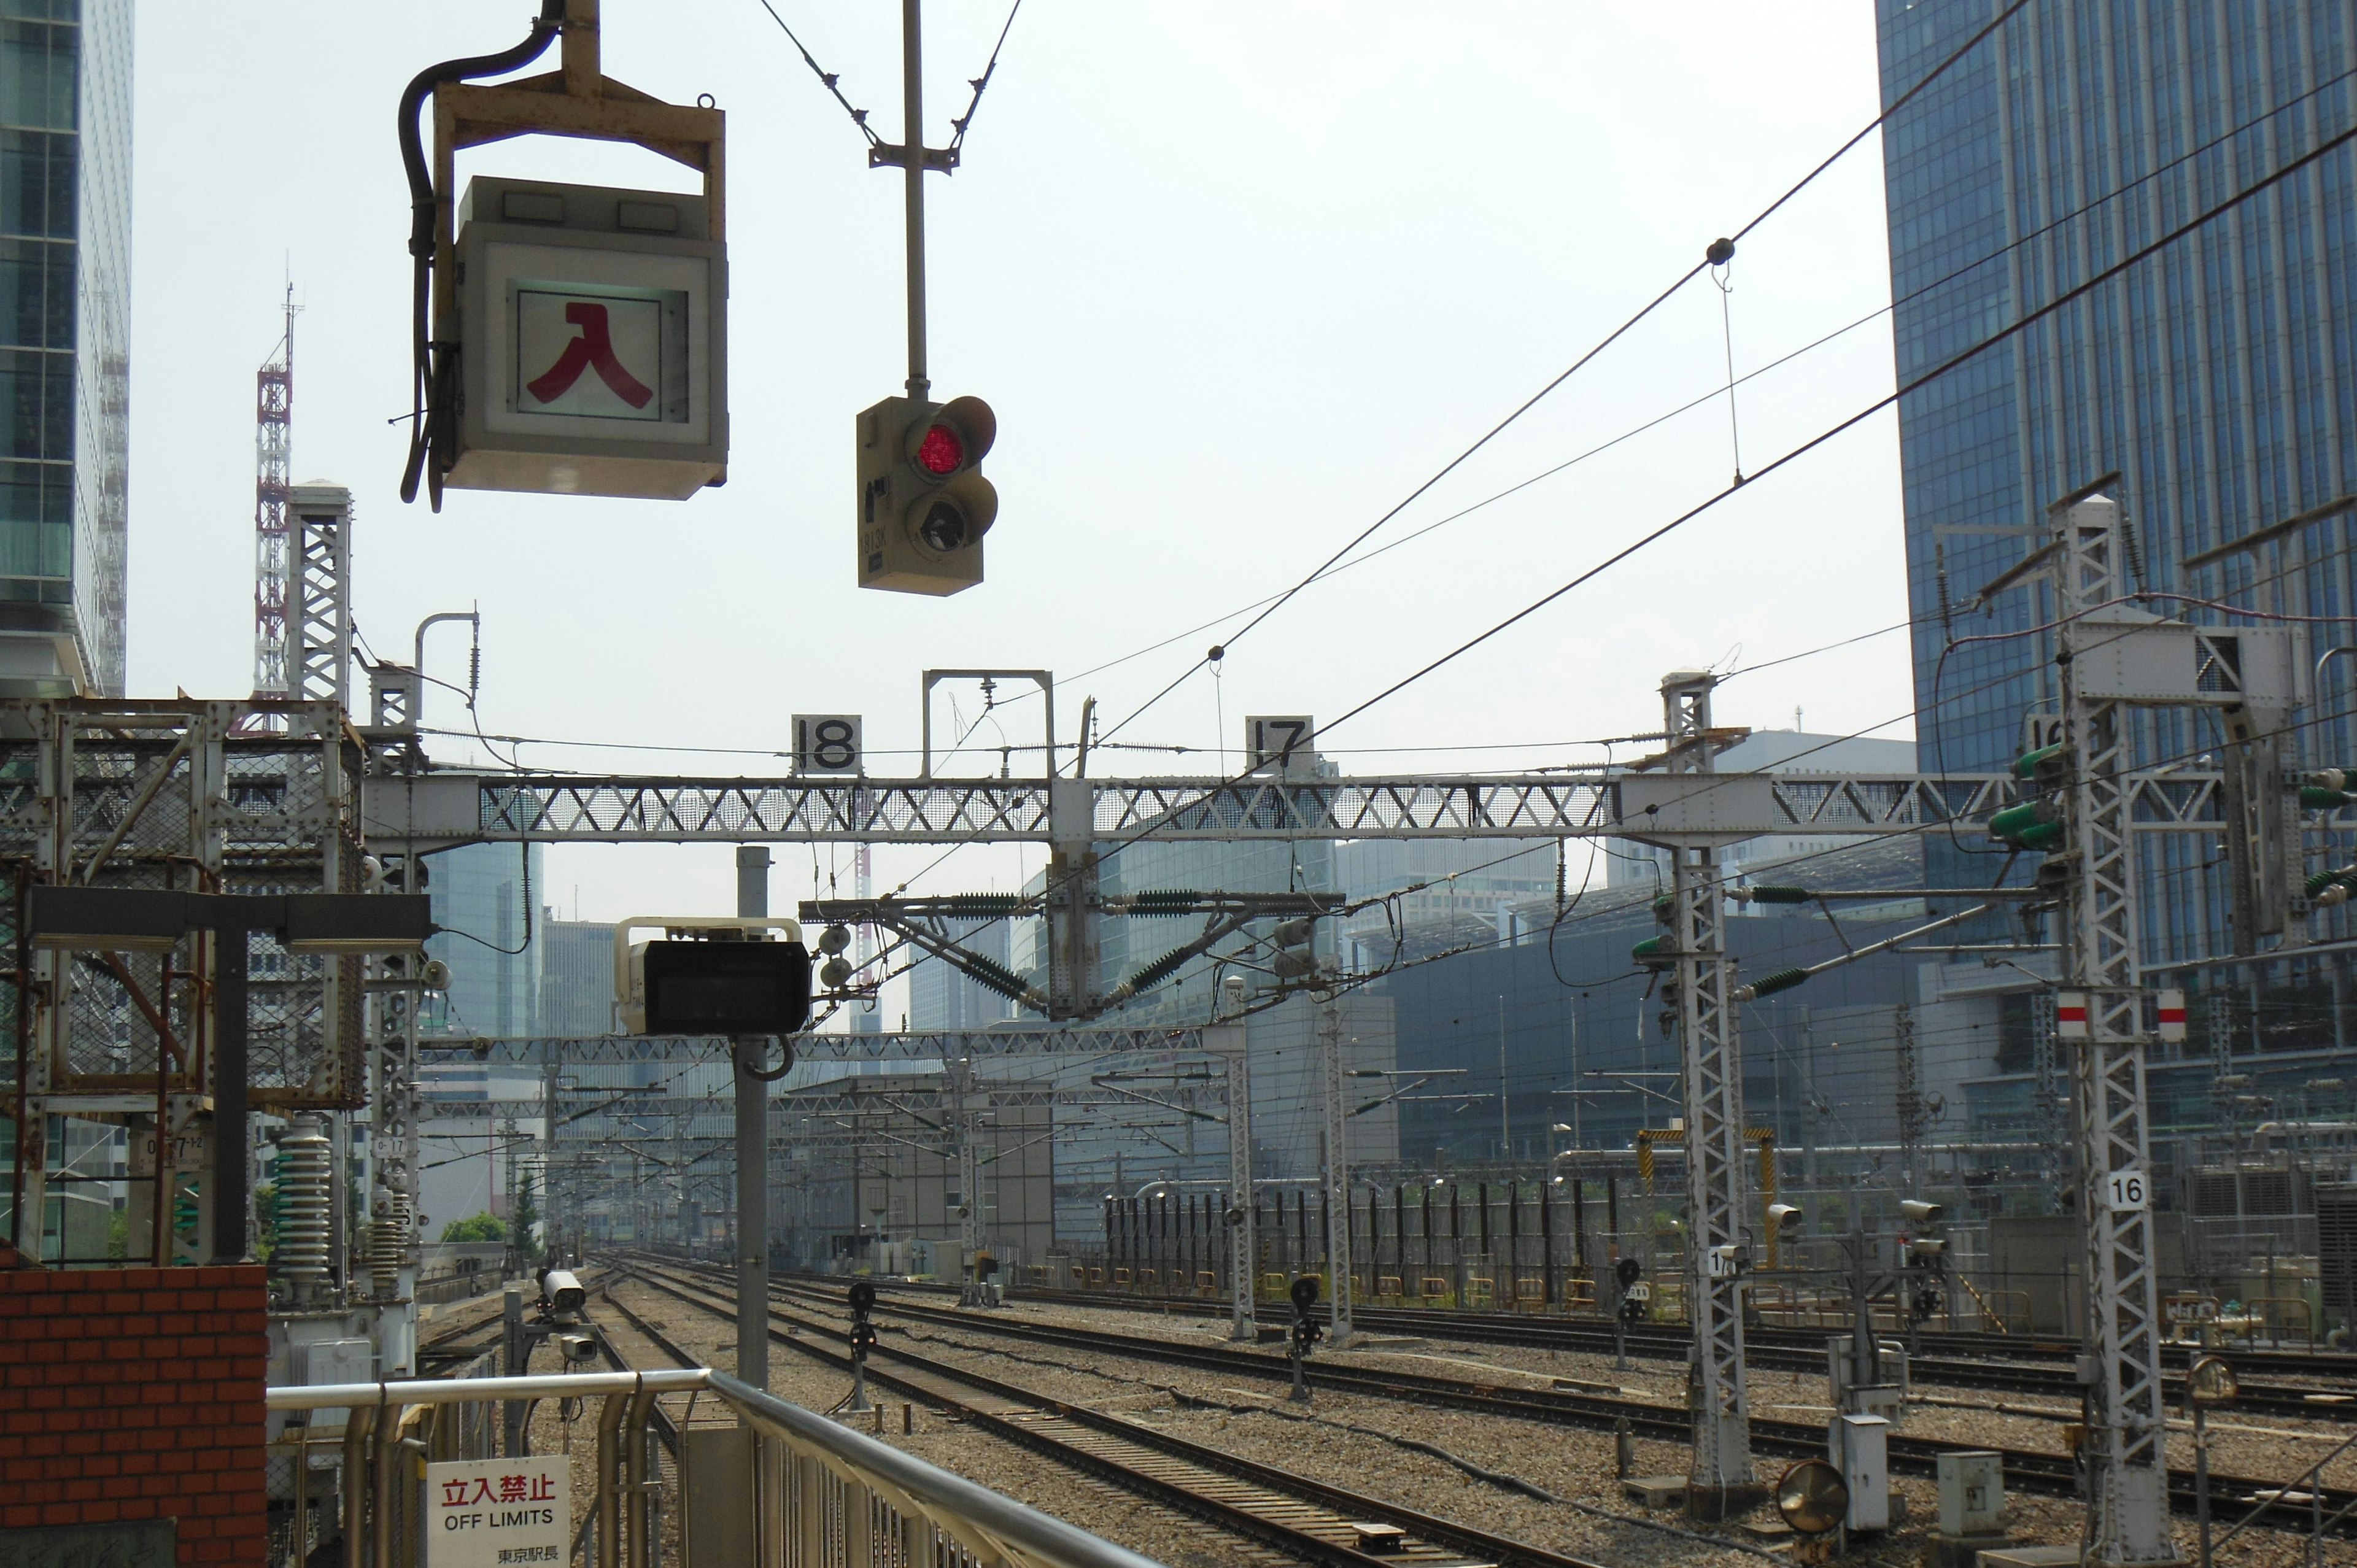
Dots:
pixel 2213 379
pixel 942 997
pixel 482 898
pixel 576 978
pixel 65 280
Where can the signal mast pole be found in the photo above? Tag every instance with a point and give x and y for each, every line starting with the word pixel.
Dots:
pixel 913 159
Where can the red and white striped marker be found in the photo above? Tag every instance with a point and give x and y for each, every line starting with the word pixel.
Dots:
pixel 2173 1016
pixel 2070 1015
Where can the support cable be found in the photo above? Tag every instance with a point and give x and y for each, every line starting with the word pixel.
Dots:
pixel 826 79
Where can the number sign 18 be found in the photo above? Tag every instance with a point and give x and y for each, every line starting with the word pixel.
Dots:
pixel 828 743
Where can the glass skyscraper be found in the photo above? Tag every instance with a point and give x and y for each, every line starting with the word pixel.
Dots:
pixel 2218 378
pixel 65 308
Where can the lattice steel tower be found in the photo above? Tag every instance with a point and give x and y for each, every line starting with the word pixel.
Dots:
pixel 273 421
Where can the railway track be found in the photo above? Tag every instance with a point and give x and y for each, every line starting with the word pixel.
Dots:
pixel 2027 1469
pixel 1290 1517
pixel 2317 1386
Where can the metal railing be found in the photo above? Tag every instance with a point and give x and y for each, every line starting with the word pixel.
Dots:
pixel 799 1489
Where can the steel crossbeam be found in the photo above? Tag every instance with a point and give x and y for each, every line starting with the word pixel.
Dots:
pixel 441 811
pixel 595 1050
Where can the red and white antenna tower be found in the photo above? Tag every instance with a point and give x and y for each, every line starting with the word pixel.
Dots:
pixel 273 421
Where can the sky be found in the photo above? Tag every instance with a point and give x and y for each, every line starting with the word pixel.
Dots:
pixel 1237 278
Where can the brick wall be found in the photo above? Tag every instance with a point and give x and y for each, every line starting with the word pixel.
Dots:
pixel 135 1395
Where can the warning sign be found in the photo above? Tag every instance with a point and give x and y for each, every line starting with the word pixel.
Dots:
pixel 497 1513
pixel 591 354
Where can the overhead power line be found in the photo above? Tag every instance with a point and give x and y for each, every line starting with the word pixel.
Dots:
pixel 2002 335
pixel 1576 365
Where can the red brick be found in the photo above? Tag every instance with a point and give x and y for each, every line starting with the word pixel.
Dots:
pixel 61 1513
pixel 18 1516
pixel 120 1301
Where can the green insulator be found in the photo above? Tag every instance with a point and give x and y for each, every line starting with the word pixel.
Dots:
pixel 2042 837
pixel 2026 766
pixel 1779 980
pixel 1768 893
pixel 1653 950
pixel 2316 798
pixel 2014 822
pixel 2323 880
pixel 1665 909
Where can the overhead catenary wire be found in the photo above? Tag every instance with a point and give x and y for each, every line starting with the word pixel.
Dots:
pixel 1916 383
pixel 1644 311
pixel 1714 393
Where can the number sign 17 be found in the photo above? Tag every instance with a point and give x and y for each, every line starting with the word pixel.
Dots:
pixel 828 743
pixel 1279 740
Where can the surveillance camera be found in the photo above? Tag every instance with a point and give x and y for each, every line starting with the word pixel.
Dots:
pixel 1920 1212
pixel 1784 1219
pixel 435 976
pixel 1927 1247
pixel 575 1347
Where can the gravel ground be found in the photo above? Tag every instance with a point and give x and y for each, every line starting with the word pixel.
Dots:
pixel 2254 1446
pixel 1173 1539
pixel 1571 1463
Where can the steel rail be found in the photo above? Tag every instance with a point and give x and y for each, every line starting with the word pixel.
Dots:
pixel 1348 1505
pixel 2055 1474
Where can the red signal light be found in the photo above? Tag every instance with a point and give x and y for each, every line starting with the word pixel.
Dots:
pixel 941 451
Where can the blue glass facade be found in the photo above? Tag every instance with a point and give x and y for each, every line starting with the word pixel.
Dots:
pixel 65 297
pixel 2219 377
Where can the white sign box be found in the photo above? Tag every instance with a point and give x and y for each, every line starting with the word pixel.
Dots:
pixel 499 1513
pixel 593 342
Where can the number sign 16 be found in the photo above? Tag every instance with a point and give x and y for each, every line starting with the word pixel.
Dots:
pixel 2127 1192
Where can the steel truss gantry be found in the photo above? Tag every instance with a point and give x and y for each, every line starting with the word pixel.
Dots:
pixel 428 812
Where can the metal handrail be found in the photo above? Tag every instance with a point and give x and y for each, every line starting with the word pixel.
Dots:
pixel 994 1529
pixel 977 1517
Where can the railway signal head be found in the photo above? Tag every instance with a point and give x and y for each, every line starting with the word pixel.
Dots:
pixel 1627 1272
pixel 2209 1380
pixel 863 1298
pixel 1305 1294
pixel 1294 941
pixel 923 503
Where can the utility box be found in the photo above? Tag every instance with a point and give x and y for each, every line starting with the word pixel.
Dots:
pixel 1972 1493
pixel 715 1497
pixel 592 341
pixel 1859 1447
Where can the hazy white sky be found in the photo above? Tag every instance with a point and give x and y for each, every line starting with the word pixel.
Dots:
pixel 1235 276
